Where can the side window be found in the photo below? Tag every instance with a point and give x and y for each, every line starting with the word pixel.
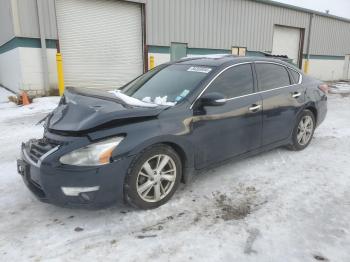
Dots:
pixel 295 76
pixel 235 81
pixel 271 76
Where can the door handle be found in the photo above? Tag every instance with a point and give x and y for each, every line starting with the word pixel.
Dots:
pixel 254 108
pixel 296 94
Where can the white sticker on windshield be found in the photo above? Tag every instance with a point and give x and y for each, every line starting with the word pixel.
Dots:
pixel 184 93
pixel 199 69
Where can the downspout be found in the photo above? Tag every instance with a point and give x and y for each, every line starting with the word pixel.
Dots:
pixel 45 65
pixel 307 62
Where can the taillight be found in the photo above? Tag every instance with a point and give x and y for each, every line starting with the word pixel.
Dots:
pixel 324 88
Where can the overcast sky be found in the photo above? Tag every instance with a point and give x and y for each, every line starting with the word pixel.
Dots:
pixel 335 7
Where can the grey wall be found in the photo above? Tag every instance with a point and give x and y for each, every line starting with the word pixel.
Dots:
pixel 6 24
pixel 221 24
pixel 330 36
pixel 26 20
pixel 217 24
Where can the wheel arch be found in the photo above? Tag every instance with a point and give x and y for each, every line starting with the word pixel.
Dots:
pixel 183 156
pixel 313 109
pixel 183 148
pixel 309 106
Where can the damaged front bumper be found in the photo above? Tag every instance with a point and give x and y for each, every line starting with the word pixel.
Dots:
pixel 63 185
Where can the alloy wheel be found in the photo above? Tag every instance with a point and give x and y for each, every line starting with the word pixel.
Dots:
pixel 305 130
pixel 156 178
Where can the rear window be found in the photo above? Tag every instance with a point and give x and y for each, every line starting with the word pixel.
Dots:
pixel 295 76
pixel 271 76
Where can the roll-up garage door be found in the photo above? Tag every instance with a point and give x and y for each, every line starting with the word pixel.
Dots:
pixel 286 41
pixel 101 42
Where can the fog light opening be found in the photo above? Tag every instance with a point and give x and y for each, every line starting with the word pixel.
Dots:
pixel 86 197
pixel 77 191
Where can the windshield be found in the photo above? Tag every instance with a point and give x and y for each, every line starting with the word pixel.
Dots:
pixel 166 85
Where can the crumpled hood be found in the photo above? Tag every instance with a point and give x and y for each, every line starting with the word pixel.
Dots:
pixel 84 109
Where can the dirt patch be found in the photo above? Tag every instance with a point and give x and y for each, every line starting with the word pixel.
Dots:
pixel 319 257
pixel 345 94
pixel 78 229
pixel 253 234
pixel 235 211
pixel 157 226
pixel 145 236
pixel 237 205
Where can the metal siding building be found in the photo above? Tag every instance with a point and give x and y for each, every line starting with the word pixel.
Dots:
pixel 330 36
pixel 219 24
pixel 6 23
pixel 204 26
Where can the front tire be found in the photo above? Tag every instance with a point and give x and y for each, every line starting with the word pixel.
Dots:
pixel 303 131
pixel 153 177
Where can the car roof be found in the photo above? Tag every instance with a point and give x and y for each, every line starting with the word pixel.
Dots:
pixel 220 60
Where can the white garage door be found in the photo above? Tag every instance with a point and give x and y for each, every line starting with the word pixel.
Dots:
pixel 286 41
pixel 101 42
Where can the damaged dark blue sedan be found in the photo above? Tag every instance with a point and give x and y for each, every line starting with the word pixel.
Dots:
pixel 138 143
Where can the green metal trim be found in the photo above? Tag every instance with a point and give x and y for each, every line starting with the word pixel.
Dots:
pixel 254 53
pixel 190 51
pixel 159 49
pixel 207 51
pixel 325 57
pixel 26 42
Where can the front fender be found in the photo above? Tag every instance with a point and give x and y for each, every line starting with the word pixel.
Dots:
pixel 174 141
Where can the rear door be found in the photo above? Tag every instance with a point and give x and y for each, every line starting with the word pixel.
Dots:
pixel 221 132
pixel 282 98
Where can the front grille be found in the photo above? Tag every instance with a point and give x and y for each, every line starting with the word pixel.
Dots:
pixel 39 147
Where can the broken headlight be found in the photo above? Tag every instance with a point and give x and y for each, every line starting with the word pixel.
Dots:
pixel 96 154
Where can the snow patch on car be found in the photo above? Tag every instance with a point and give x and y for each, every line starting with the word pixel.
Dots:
pixel 159 101
pixel 163 101
pixel 131 100
pixel 145 102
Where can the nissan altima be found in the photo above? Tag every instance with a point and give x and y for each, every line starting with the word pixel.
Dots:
pixel 136 144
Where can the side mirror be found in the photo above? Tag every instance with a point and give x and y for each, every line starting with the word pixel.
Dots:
pixel 212 99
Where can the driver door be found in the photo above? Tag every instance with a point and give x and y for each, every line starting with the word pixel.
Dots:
pixel 232 129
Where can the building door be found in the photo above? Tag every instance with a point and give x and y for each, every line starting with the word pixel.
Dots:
pixel 101 42
pixel 178 51
pixel 287 41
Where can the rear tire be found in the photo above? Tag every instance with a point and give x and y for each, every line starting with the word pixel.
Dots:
pixel 303 131
pixel 153 177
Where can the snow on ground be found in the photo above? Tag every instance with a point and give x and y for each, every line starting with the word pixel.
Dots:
pixel 277 206
pixel 4 94
pixel 340 88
